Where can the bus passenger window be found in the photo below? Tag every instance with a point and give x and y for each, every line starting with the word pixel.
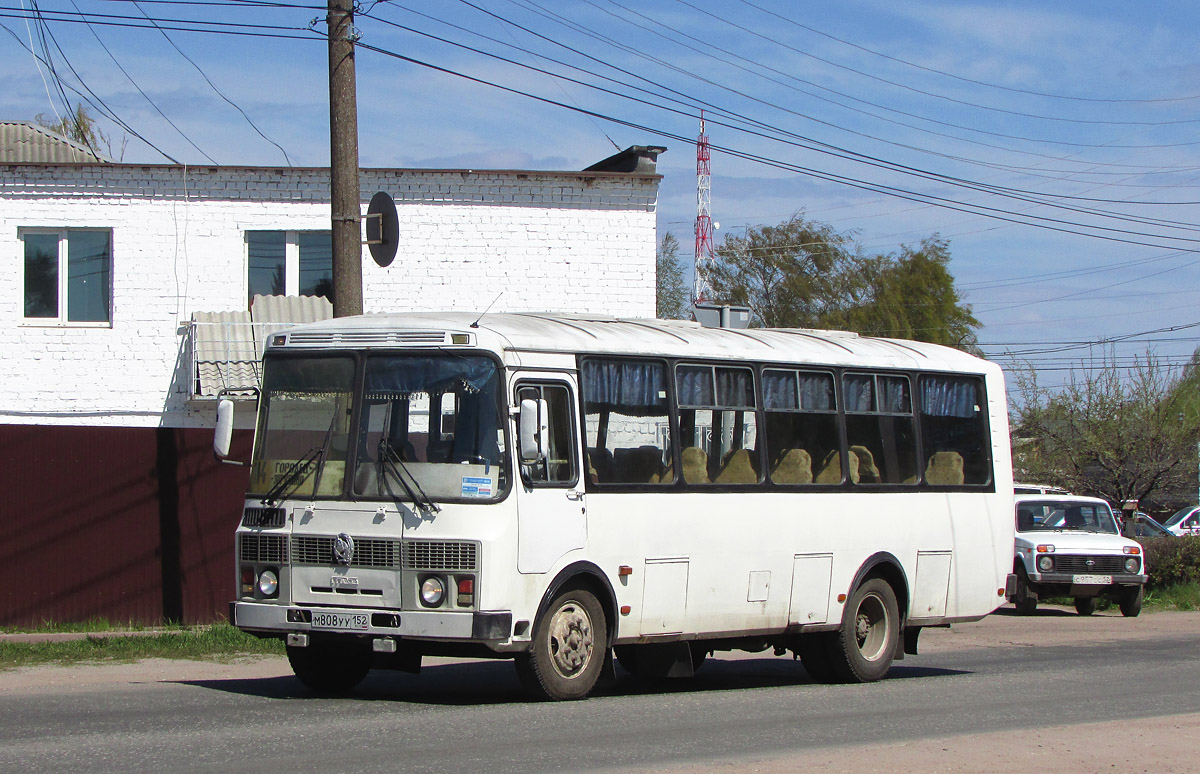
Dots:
pixel 558 466
pixel 953 432
pixel 717 425
pixel 803 446
pixel 880 431
pixel 627 422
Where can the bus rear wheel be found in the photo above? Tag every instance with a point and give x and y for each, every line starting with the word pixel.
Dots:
pixel 861 651
pixel 330 668
pixel 1085 605
pixel 566 656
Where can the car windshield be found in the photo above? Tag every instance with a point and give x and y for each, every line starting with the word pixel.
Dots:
pixel 1060 516
pixel 1178 516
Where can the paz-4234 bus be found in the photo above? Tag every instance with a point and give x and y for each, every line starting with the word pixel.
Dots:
pixel 564 491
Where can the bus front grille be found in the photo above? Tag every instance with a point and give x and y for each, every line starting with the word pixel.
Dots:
pixel 263 549
pixel 440 555
pixel 368 552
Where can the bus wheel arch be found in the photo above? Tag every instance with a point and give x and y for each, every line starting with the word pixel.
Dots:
pixel 589 577
pixel 862 649
pixel 569 645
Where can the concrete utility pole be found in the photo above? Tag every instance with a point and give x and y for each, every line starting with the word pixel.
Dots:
pixel 343 162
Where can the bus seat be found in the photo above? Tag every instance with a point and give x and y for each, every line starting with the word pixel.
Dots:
pixel 867 472
pixel 794 467
pixel 945 468
pixel 599 464
pixel 638 465
pixel 695 465
pixel 831 469
pixel 739 468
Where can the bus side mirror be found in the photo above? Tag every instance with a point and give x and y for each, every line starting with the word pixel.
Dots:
pixel 223 435
pixel 533 432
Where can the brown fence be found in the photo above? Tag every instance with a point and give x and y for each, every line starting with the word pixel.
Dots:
pixel 127 524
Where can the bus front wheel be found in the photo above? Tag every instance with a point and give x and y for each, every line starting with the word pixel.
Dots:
pixel 566 656
pixel 862 649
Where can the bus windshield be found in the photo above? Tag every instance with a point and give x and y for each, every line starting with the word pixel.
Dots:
pixel 431 429
pixel 304 427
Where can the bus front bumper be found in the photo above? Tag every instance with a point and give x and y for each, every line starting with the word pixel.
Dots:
pixel 418 624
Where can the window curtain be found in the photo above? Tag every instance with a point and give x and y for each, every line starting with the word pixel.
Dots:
pixel 943 396
pixel 400 376
pixel 629 387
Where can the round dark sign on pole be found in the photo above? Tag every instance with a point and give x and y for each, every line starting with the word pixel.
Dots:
pixel 383 226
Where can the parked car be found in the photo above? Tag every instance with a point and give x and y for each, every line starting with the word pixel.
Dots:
pixel 1185 521
pixel 1143 526
pixel 1038 489
pixel 1070 546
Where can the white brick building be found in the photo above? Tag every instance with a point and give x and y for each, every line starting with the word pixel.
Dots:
pixel 105 451
pixel 178 244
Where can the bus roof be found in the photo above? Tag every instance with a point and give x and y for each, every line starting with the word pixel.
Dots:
pixel 556 332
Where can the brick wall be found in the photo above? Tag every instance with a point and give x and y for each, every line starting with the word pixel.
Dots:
pixel 575 241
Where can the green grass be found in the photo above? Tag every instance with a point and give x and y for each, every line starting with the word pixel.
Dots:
pixel 90 625
pixel 220 642
pixel 1183 596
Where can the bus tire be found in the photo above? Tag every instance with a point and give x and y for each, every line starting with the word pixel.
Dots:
pixel 566 656
pixel 330 668
pixel 1131 601
pixel 813 650
pixel 863 647
pixel 1085 605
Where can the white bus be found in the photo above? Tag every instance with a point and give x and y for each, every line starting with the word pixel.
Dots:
pixel 564 490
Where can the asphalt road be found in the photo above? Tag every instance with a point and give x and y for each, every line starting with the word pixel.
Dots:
pixel 1006 674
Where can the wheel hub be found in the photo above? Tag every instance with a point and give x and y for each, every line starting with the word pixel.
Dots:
pixel 571 640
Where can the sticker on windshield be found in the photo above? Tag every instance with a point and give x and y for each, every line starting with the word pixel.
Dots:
pixel 476 486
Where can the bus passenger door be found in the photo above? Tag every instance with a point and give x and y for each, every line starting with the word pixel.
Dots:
pixel 551 519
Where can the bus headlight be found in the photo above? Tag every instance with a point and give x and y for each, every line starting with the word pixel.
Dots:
pixel 1045 563
pixel 433 591
pixel 1131 564
pixel 268 583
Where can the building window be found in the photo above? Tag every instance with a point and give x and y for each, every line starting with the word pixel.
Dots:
pixel 289 263
pixel 68 275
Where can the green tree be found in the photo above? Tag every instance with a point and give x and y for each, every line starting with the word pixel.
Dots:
pixel 805 274
pixel 909 296
pixel 673 293
pixel 788 275
pixel 1109 434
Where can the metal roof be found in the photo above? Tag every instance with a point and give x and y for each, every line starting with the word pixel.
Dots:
pixel 531 332
pixel 22 141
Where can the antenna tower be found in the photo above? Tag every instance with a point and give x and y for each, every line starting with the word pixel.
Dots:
pixel 704 223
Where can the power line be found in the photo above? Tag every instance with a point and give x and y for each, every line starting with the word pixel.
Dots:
pixel 963 78
pixel 143 93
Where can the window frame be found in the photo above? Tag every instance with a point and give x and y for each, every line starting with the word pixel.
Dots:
pixel 574 440
pixel 61 320
pixel 291 259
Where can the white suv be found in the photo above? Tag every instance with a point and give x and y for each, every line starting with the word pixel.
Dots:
pixel 1070 546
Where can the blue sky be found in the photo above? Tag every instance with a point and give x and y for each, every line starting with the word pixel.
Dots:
pixel 1079 116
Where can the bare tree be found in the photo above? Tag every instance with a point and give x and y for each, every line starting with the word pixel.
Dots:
pixel 1120 436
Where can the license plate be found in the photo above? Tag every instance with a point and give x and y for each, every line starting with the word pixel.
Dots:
pixel 340 621
pixel 1092 580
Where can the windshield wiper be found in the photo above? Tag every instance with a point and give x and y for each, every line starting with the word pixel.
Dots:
pixel 389 457
pixel 292 476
